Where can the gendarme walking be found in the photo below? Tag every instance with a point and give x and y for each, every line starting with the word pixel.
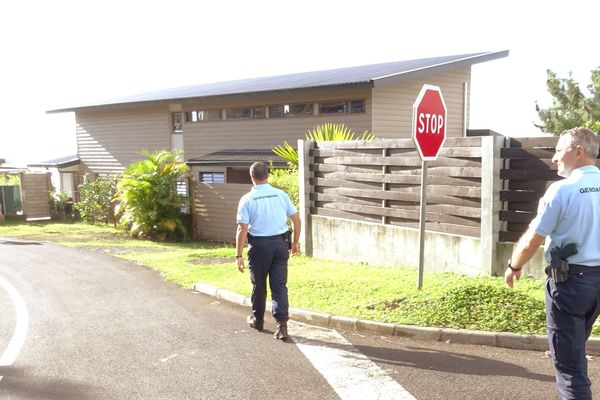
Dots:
pixel 262 217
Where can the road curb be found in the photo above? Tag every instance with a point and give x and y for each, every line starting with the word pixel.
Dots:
pixel 464 336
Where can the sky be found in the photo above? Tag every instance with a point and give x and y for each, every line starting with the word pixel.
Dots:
pixel 61 53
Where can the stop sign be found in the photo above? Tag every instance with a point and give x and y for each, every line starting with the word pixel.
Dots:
pixel 429 122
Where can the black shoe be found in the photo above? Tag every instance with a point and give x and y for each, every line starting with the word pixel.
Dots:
pixel 281 333
pixel 254 323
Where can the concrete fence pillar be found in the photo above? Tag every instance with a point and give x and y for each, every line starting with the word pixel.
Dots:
pixel 491 184
pixel 305 189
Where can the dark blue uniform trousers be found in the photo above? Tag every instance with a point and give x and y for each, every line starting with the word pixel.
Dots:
pixel 268 257
pixel 571 309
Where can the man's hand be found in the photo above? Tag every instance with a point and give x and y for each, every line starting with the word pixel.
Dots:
pixel 241 236
pixel 510 276
pixel 240 264
pixel 294 249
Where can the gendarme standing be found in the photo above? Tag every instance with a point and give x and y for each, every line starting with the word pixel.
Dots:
pixel 568 218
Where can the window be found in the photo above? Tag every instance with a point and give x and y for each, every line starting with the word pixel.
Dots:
pixel 182 188
pixel 298 109
pixel 336 107
pixel 177 122
pixel 201 115
pixel 212 177
pixel 276 111
pixel 333 107
pixel 259 112
pixel 280 111
pixel 194 116
pixel 237 113
pixel 290 110
pixel 238 175
pixel 357 106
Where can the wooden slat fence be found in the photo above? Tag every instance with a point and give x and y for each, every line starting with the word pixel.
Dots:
pixel 527 173
pixel 380 181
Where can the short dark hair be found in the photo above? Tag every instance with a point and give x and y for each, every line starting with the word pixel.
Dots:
pixel 259 171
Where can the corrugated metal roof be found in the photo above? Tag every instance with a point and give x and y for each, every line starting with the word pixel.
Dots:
pixel 341 76
pixel 238 157
pixel 61 162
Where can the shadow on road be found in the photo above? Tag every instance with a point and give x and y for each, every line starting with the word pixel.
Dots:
pixel 444 361
pixel 18 384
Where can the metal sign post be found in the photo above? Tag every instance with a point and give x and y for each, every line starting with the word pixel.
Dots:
pixel 422 220
pixel 429 134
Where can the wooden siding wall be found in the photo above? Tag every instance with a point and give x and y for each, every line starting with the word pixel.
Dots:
pixel 35 194
pixel 215 208
pixel 379 181
pixel 527 173
pixel 393 104
pixel 210 136
pixel 110 139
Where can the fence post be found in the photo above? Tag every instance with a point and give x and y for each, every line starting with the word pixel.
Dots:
pixel 491 164
pixel 304 191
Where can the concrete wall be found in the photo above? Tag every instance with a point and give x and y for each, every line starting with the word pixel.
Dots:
pixel 383 244
pixel 535 267
pixel 355 241
pixel 393 246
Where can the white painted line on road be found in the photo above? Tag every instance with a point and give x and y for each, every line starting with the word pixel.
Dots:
pixel 349 372
pixel 21 326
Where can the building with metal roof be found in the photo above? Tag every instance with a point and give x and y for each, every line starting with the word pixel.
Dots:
pixel 215 124
pixel 375 74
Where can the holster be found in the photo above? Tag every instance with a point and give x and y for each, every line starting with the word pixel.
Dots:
pixel 288 238
pixel 559 269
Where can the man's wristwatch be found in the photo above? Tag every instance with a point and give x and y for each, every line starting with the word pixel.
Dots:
pixel 239 256
pixel 511 267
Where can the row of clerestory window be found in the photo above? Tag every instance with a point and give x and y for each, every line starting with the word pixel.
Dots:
pixel 278 111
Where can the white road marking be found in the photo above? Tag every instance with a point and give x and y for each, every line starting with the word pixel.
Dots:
pixel 22 325
pixel 349 372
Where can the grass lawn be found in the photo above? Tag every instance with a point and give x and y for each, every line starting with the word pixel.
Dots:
pixel 386 294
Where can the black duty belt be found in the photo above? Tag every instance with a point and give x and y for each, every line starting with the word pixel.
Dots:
pixel 578 269
pixel 281 235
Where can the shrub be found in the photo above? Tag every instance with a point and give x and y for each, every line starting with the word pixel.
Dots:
pixel 323 133
pixel 149 203
pixel 59 203
pixel 286 180
pixel 96 199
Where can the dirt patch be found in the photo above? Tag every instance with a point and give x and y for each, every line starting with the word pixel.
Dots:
pixel 212 260
pixel 121 250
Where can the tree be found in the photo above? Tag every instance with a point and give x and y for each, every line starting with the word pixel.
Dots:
pixel 323 133
pixel 570 107
pixel 149 203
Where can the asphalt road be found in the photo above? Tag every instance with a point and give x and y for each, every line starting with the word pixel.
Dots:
pixel 103 328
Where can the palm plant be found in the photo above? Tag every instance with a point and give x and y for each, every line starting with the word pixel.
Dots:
pixel 322 133
pixel 149 203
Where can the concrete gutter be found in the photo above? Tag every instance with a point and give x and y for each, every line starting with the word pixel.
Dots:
pixel 464 336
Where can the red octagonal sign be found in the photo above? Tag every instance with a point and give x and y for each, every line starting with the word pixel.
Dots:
pixel 429 122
